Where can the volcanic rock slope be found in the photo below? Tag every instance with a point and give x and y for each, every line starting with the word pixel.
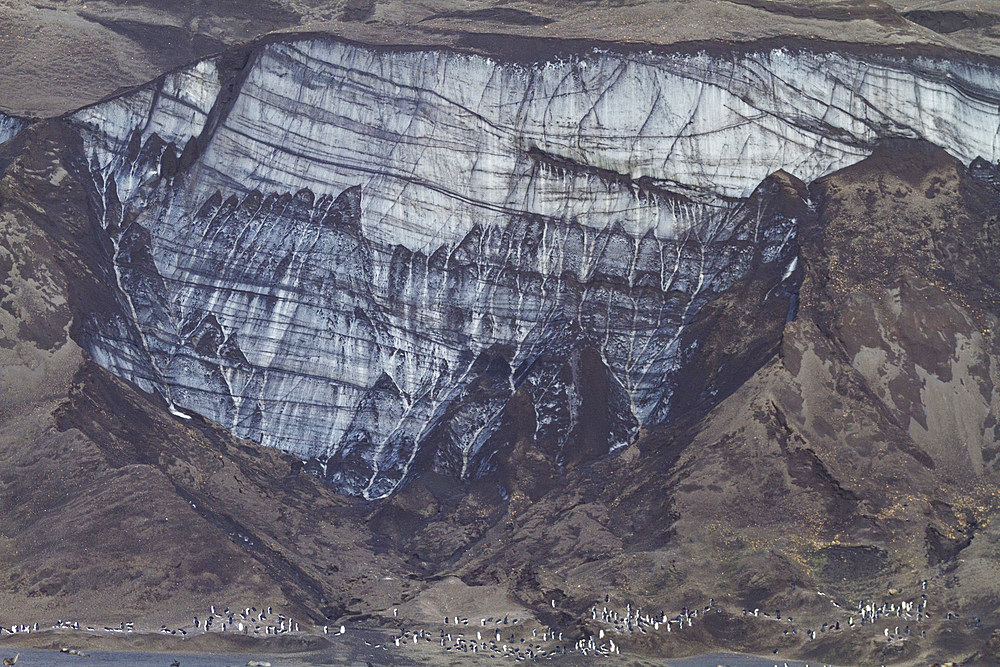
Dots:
pixel 360 255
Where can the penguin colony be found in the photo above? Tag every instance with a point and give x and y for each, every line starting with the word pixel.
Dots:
pixel 510 638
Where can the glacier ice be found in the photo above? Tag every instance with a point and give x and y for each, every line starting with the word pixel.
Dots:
pixel 9 126
pixel 361 255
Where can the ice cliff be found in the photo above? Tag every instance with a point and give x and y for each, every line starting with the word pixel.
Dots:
pixel 361 256
pixel 9 127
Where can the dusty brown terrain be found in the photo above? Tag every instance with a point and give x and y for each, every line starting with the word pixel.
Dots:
pixel 63 54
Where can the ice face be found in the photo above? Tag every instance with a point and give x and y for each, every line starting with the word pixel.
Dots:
pixel 9 127
pixel 362 255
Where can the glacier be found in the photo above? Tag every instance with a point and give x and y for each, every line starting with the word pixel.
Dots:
pixel 9 127
pixel 362 255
